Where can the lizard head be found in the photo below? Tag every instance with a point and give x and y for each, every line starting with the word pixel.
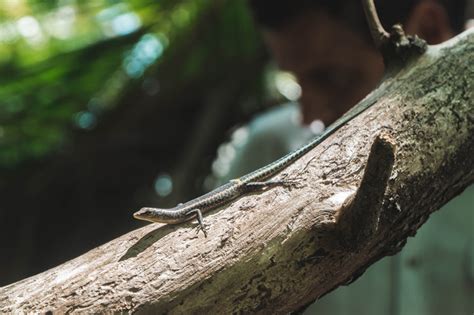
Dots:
pixel 146 214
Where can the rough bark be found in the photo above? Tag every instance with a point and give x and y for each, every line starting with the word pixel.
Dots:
pixel 275 251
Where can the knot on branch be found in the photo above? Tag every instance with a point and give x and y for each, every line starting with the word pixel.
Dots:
pixel 358 218
pixel 395 47
pixel 400 48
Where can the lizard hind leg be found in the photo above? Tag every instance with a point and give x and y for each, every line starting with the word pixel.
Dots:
pixel 201 226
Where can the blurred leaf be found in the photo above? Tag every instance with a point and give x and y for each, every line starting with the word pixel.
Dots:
pixel 64 63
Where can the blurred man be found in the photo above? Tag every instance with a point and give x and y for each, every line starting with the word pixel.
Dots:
pixel 327 46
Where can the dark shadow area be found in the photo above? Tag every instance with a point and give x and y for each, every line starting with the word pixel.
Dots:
pixel 125 108
pixel 146 241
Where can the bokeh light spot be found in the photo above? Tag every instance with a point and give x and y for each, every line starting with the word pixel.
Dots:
pixel 148 49
pixel 85 120
pixel 317 126
pixel 287 85
pixel 126 23
pixel 163 185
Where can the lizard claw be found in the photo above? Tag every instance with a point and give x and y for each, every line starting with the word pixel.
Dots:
pixel 201 227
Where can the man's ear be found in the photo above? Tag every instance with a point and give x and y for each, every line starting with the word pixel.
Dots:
pixel 429 20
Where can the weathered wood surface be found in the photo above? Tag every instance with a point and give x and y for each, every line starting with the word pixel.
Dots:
pixel 276 251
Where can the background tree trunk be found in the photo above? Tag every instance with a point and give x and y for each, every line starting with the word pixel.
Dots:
pixel 276 251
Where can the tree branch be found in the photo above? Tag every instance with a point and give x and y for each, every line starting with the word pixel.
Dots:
pixel 276 251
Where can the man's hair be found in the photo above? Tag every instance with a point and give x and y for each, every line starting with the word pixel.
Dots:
pixel 275 14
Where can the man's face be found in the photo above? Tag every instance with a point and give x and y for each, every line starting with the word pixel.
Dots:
pixel 335 67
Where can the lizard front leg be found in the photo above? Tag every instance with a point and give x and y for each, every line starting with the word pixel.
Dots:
pixel 200 219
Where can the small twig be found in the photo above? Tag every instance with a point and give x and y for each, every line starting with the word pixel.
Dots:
pixel 379 34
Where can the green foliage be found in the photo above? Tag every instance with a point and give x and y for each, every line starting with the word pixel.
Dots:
pixel 63 64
